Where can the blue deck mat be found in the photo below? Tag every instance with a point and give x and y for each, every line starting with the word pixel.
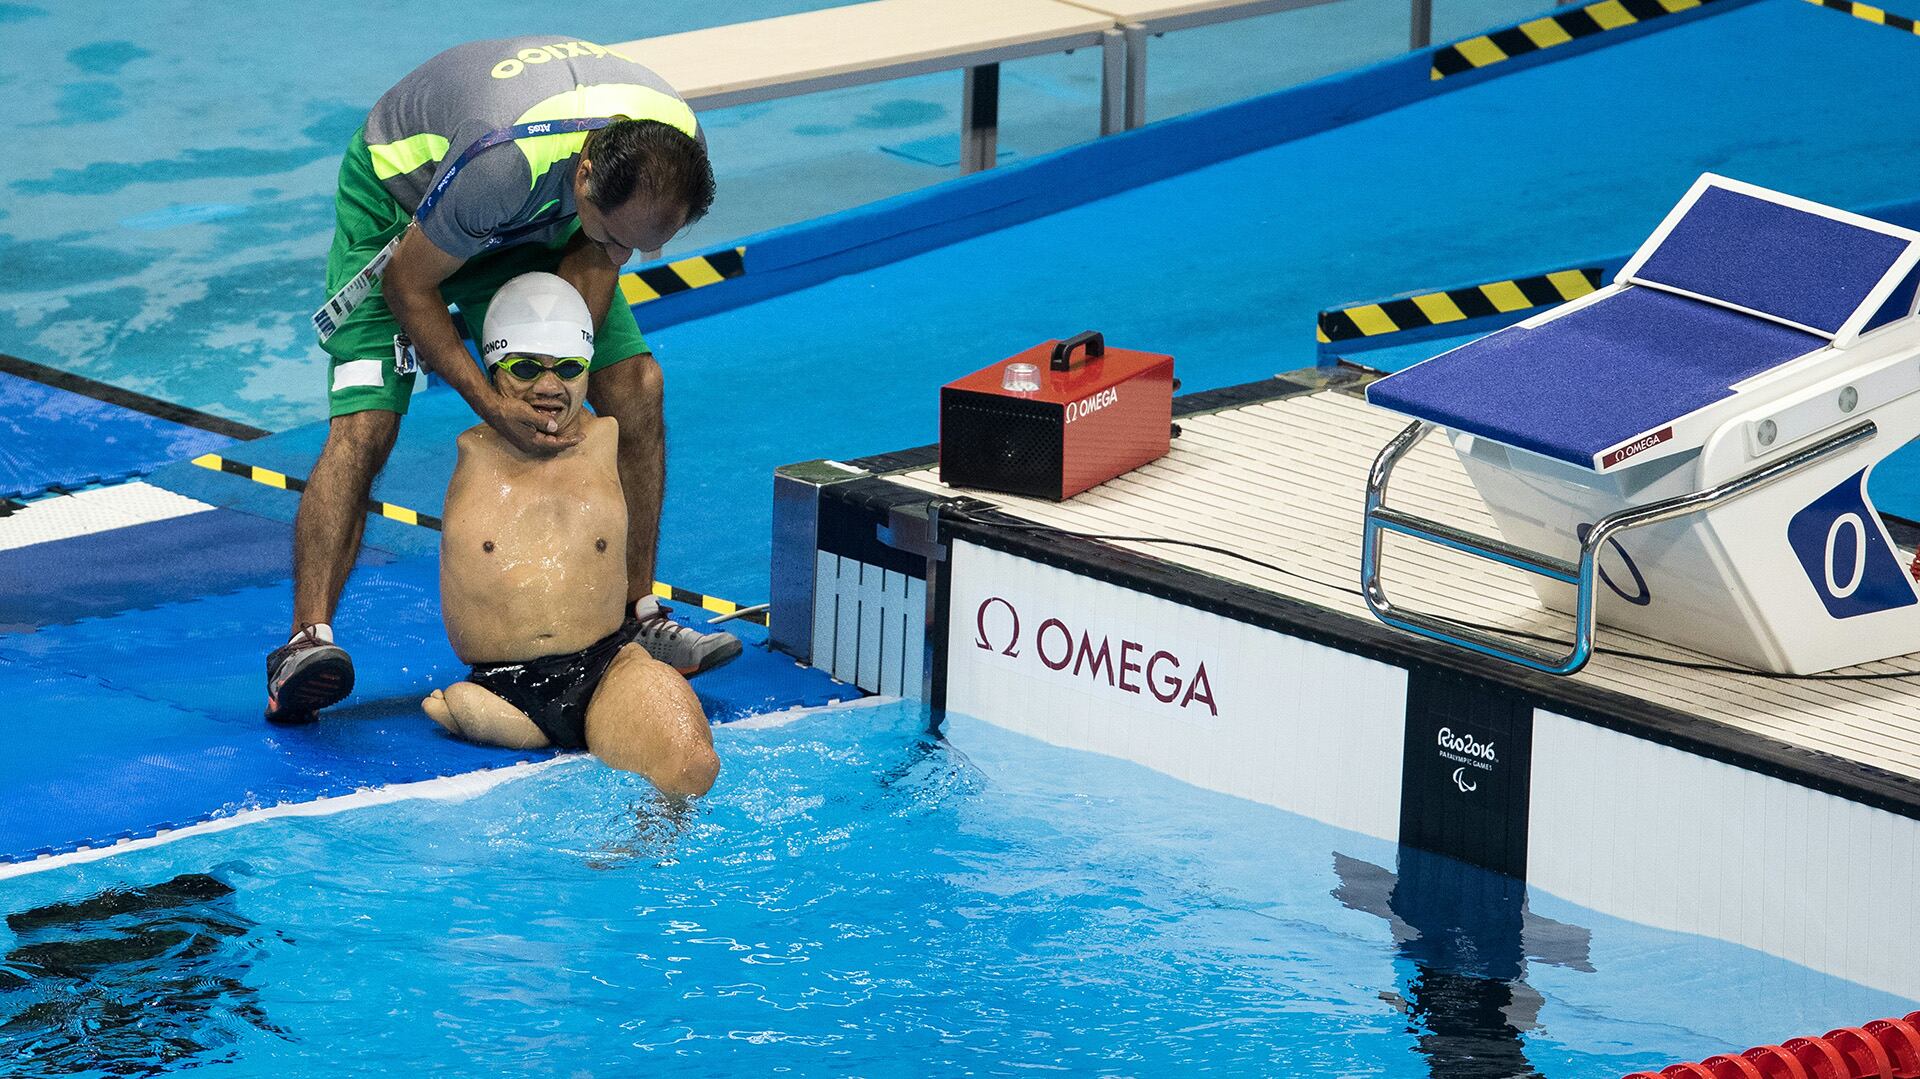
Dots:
pixel 160 709
pixel 53 438
pixel 1592 379
pixel 145 565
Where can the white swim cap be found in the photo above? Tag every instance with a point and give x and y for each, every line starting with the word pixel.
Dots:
pixel 536 312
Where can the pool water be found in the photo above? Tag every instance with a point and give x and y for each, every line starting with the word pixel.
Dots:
pixel 856 897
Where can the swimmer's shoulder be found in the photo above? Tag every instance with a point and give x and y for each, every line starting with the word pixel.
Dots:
pixel 601 430
pixel 475 439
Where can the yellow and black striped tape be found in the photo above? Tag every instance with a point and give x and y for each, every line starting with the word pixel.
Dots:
pixel 1870 13
pixel 1549 31
pixel 294 483
pixel 653 282
pixel 708 603
pixel 1456 305
pixel 427 520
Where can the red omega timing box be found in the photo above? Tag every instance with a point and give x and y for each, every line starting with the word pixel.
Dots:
pixel 1097 412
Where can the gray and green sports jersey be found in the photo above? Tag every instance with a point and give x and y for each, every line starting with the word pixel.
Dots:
pixel 519 192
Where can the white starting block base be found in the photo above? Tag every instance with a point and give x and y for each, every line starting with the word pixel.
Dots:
pixel 1800 577
pixel 1711 419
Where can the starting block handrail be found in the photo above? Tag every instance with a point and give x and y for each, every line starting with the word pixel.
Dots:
pixel 1582 575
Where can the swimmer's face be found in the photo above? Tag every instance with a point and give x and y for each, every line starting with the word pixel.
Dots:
pixel 641 224
pixel 550 395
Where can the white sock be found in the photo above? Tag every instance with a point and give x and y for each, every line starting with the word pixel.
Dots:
pixel 322 630
pixel 647 606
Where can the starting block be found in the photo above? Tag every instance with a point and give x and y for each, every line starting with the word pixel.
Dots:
pixel 1684 453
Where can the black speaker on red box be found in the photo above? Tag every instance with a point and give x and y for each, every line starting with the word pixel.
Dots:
pixel 1056 419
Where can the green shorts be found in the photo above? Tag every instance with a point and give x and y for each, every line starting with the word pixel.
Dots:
pixel 361 375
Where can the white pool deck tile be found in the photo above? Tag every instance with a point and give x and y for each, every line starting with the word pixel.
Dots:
pixel 98 509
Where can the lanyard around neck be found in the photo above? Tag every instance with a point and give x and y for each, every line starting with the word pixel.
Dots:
pixel 494 138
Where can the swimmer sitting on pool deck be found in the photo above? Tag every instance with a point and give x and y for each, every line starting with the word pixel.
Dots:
pixel 533 569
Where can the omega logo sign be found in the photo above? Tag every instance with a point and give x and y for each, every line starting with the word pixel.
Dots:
pixel 1095 658
pixel 1086 406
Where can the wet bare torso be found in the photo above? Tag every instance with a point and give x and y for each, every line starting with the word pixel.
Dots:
pixel 533 550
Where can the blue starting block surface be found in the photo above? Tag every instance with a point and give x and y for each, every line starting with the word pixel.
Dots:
pixel 1811 269
pixel 53 438
pixel 1596 377
pixel 1738 280
pixel 149 719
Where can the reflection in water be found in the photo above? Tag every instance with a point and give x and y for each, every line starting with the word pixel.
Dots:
pixel 917 776
pixel 129 982
pixel 1469 936
pixel 659 823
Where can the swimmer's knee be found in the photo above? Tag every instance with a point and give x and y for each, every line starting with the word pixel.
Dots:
pixel 688 771
pixel 699 768
pixel 646 719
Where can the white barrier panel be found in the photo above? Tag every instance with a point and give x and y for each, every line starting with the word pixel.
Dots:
pixel 1669 839
pixel 1220 704
pixel 869 625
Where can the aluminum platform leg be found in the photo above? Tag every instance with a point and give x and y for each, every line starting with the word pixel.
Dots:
pixel 1113 82
pixel 979 117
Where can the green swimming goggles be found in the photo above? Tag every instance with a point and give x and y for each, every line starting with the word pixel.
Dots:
pixel 526 368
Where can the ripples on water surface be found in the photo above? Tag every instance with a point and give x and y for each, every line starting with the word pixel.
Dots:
pixel 854 898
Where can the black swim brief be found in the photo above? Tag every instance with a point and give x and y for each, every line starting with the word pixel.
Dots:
pixel 554 691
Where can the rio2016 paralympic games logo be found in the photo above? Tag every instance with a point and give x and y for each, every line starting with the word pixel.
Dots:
pixel 998 628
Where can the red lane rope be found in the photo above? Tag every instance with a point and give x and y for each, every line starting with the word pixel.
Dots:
pixel 1882 1049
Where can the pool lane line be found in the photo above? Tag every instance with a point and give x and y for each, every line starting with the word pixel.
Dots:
pixel 652 282
pixel 127 399
pixel 1551 31
pixel 1869 13
pixel 1455 305
pixel 405 516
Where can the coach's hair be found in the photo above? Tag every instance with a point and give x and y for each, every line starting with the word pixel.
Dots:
pixel 647 157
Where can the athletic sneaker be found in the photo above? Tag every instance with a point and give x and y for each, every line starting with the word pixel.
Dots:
pixel 305 675
pixel 683 648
